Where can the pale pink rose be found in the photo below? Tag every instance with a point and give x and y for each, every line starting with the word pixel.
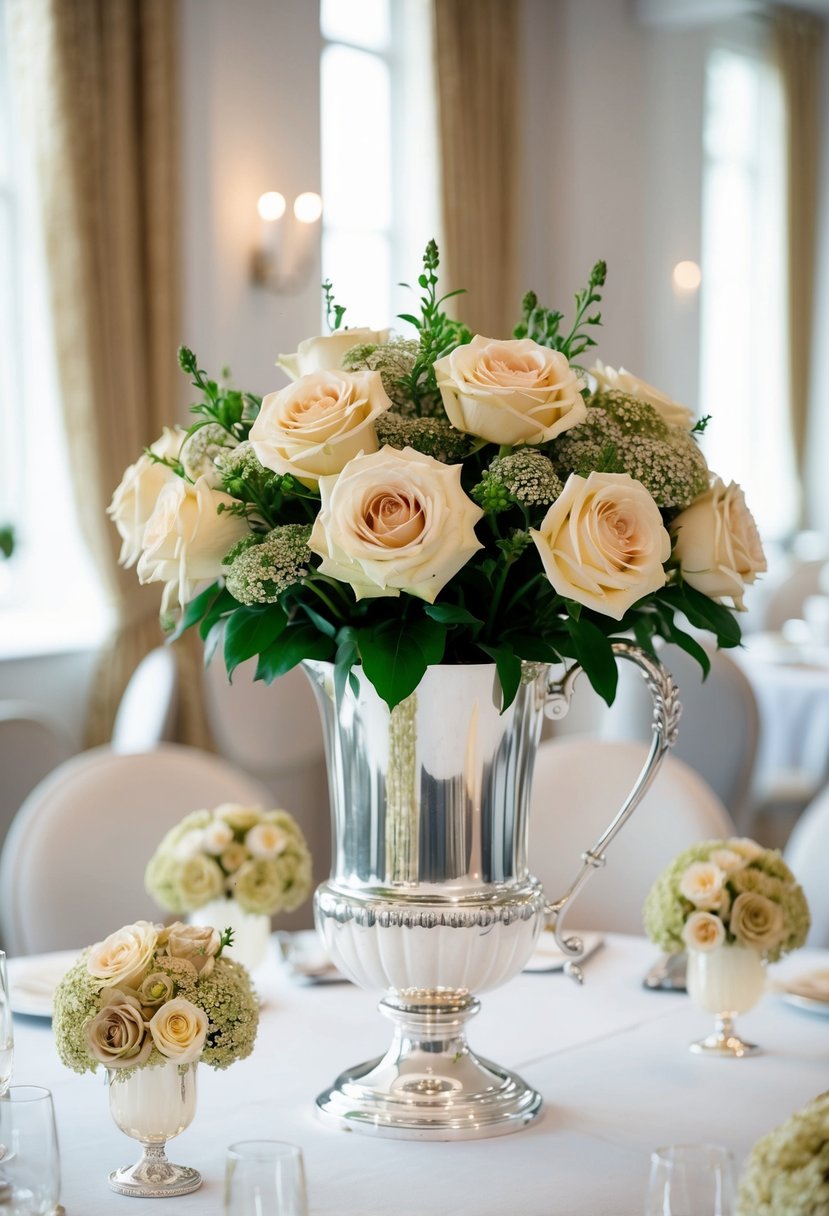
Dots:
pixel 603 542
pixel 314 427
pixel 395 521
pixel 702 884
pixel 510 392
pixel 117 1034
pixel 703 931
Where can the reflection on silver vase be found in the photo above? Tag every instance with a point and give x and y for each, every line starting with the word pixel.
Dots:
pixel 430 898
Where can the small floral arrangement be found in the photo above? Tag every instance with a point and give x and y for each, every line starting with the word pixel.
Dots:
pixel 787 1172
pixel 147 995
pixel 726 892
pixel 439 498
pixel 259 858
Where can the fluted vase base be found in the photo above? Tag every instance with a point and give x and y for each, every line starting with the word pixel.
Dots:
pixel 725 1042
pixel 154 1177
pixel 429 1085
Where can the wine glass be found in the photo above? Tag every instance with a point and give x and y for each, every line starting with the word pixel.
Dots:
pixel 691 1180
pixel 265 1178
pixel 31 1163
pixel 6 1029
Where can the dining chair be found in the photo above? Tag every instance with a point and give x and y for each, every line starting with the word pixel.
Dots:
pixel 577 788
pixel 72 866
pixel 784 601
pixel 718 730
pixel 806 853
pixel 31 746
pixel 146 712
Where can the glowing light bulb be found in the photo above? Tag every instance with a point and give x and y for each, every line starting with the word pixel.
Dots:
pixel 308 207
pixel 687 276
pixel 271 206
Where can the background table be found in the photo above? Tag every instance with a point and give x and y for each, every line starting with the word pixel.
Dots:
pixel 611 1060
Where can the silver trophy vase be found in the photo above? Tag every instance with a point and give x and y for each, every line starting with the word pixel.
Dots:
pixel 430 900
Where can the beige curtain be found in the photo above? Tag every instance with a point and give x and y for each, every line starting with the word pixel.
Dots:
pixel 797 40
pixel 98 84
pixel 476 49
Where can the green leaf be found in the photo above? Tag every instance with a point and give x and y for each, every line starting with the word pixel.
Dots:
pixel 451 614
pixel 249 631
pixel 297 642
pixel 196 609
pixel 532 648
pixel 395 654
pixel 705 613
pixel 221 605
pixel 596 656
pixel 690 645
pixel 508 666
pixel 322 623
pixel 347 656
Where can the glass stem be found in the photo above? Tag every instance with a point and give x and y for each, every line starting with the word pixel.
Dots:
pixel 725 1027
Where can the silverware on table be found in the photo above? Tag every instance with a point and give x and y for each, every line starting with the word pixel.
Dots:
pixel 667 974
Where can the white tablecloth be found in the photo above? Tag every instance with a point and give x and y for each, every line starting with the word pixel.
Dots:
pixel 611 1060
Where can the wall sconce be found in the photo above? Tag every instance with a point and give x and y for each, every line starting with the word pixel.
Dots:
pixel 285 254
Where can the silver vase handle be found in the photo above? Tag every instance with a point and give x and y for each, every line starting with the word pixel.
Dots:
pixel 666 711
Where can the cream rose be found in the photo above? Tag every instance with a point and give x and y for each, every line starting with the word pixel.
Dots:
pixel 703 931
pixel 117 1035
pixel 603 542
pixel 625 382
pixel 234 856
pixel 121 959
pixel 135 499
pixel 756 921
pixel 702 883
pixel 728 860
pixel 197 944
pixel 314 427
pixel 190 845
pixel 266 840
pixel 326 352
pixel 746 847
pixel 186 538
pixel 717 544
pixel 395 521
pixel 240 818
pixel 199 880
pixel 179 1030
pixel 511 392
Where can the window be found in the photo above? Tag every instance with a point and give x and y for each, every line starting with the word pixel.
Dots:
pixel 744 370
pixel 50 596
pixel 379 162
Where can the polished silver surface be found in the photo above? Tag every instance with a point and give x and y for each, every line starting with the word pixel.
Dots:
pixel 430 898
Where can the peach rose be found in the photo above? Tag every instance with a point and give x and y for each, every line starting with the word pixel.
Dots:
pixel 511 392
pixel 717 544
pixel 603 542
pixel 314 427
pixel 756 921
pixel 703 931
pixel 117 1035
pixel 198 944
pixel 395 521
pixel 179 1030
pixel 702 884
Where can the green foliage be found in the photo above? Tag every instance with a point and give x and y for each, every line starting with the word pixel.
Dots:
pixel 544 325
pixel 334 313
pixel 439 333
pixel 7 540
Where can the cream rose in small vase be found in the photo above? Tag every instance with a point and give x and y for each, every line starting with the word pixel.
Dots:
pixel 510 392
pixel 395 521
pixel 603 543
pixel 717 544
pixel 732 906
pixel 314 427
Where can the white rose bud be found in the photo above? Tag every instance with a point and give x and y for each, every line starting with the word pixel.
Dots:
pixel 603 542
pixel 314 427
pixel 511 392
pixel 625 382
pixel 395 521
pixel 326 352
pixel 717 544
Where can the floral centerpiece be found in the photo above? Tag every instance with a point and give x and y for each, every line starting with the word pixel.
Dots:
pixel 440 498
pixel 787 1172
pixel 258 858
pixel 726 892
pixel 147 995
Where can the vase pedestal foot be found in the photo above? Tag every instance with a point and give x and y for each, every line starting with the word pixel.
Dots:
pixel 429 1085
pixel 725 1042
pixel 154 1177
